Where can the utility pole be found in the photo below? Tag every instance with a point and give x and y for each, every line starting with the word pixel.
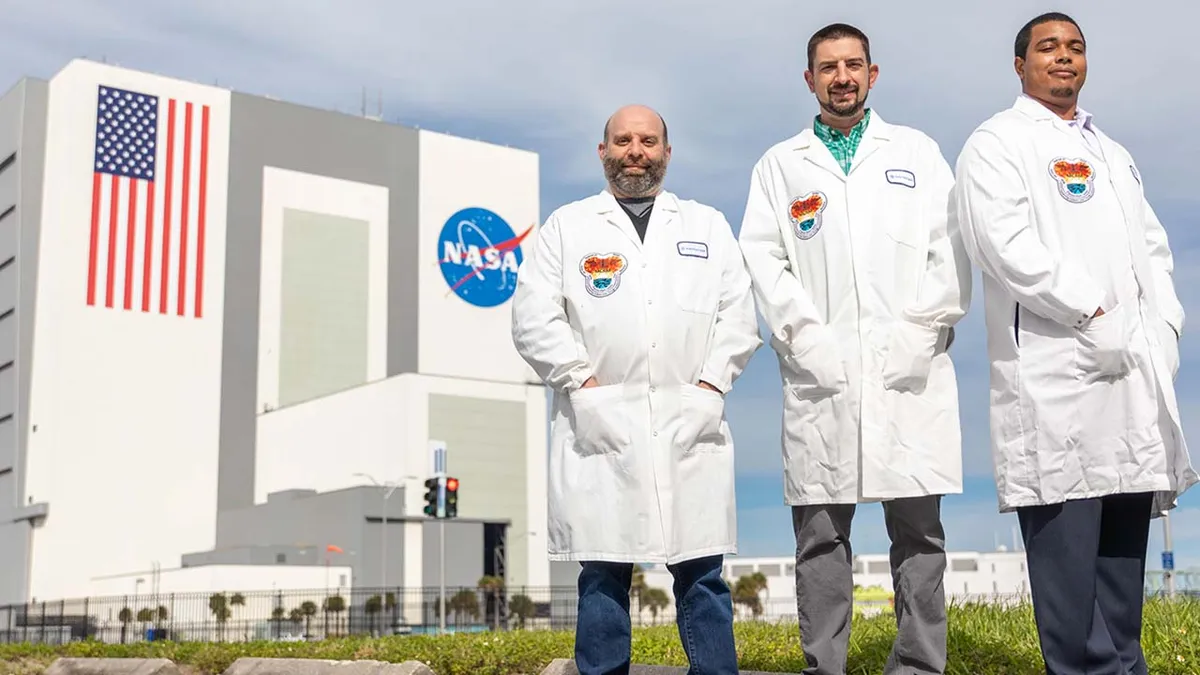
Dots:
pixel 1168 557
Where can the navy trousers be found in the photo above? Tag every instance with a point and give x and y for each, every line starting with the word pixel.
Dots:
pixel 1087 563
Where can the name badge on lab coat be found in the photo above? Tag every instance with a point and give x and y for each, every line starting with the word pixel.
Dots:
pixel 901 177
pixel 692 249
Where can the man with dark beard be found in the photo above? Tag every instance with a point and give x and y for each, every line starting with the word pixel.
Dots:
pixel 635 309
pixel 860 277
pixel 1082 328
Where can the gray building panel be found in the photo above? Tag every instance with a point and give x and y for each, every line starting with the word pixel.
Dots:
pixel 22 149
pixel 486 450
pixel 271 133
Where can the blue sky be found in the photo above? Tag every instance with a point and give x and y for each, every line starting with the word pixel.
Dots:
pixel 545 74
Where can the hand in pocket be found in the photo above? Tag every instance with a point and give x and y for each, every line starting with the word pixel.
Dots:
pixel 1103 350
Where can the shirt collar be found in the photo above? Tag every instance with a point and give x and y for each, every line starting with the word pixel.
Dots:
pixel 827 133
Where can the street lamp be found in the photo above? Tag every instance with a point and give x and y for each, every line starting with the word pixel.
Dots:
pixel 390 487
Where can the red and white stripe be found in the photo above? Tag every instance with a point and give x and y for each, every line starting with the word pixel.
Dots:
pixel 146 251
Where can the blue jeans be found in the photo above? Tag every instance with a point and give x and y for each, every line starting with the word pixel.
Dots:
pixel 704 614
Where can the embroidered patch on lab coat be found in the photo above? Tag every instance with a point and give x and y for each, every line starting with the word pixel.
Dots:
pixel 901 177
pixel 1075 178
pixel 692 249
pixel 805 213
pixel 602 273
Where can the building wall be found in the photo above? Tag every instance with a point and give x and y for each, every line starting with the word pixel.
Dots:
pixel 342 171
pixel 475 198
pixel 22 144
pixel 125 394
pixel 486 450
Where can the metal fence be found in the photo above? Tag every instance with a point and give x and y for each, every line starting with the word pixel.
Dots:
pixel 286 615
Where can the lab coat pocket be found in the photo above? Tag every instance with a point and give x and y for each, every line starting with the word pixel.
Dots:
pixel 1102 347
pixel 1170 346
pixel 602 424
pixel 701 414
pixel 817 371
pixel 908 352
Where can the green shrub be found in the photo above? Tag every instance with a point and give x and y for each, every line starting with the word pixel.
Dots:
pixel 983 640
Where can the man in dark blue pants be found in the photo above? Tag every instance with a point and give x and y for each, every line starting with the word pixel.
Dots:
pixel 635 307
pixel 1089 552
pixel 1083 326
pixel 703 612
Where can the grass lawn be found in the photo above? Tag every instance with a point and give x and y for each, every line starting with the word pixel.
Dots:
pixel 983 640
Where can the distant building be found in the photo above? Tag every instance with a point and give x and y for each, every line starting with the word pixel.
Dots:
pixel 987 576
pixel 225 318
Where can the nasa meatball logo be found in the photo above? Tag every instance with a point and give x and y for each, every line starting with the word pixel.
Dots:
pixel 479 255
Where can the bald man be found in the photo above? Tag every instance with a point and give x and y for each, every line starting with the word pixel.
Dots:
pixel 636 310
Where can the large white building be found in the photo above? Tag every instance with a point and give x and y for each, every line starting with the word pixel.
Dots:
pixel 226 318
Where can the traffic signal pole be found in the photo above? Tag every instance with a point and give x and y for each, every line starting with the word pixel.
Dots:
pixel 442 576
pixel 441 502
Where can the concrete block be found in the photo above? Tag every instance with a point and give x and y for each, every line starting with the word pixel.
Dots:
pixel 110 666
pixel 561 667
pixel 254 666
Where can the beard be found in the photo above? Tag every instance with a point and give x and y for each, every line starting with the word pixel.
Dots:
pixel 1062 92
pixel 843 109
pixel 635 185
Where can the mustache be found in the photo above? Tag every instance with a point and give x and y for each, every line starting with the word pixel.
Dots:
pixel 843 88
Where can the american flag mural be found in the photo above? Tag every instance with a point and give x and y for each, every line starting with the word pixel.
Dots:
pixel 149 203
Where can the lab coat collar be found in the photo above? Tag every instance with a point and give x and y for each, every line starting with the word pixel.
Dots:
pixel 874 136
pixel 1035 110
pixel 666 206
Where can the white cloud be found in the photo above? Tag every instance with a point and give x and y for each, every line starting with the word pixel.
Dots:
pixel 728 82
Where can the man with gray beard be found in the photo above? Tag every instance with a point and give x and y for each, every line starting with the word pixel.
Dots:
pixel 635 308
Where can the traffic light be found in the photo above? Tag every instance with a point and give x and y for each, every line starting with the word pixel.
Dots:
pixel 451 497
pixel 431 497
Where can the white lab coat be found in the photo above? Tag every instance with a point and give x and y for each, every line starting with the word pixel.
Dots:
pixel 1080 408
pixel 860 301
pixel 641 467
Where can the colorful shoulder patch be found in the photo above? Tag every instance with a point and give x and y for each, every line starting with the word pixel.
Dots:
pixel 1075 178
pixel 602 273
pixel 805 213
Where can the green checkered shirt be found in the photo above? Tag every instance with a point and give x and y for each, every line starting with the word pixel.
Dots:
pixel 841 146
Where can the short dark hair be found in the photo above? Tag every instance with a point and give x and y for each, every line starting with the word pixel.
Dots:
pixel 836 31
pixel 660 119
pixel 1025 35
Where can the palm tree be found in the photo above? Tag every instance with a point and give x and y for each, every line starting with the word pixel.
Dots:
pixel 308 609
pixel 637 588
pixel 335 604
pixel 239 600
pixel 371 608
pixel 218 604
pixel 493 589
pixel 746 592
pixel 522 607
pixel 656 600
pixel 125 616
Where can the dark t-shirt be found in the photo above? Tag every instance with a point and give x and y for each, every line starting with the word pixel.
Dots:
pixel 638 209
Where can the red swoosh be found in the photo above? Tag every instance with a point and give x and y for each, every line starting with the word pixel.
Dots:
pixel 501 247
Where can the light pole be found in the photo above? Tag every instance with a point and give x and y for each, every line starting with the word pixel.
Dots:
pixel 388 489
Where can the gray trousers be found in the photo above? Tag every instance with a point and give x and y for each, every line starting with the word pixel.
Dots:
pixel 825 584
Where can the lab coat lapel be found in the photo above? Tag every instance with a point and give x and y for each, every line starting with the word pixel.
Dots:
pixel 616 217
pixel 812 150
pixel 875 136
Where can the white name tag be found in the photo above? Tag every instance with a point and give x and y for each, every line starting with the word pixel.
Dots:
pixel 692 249
pixel 901 177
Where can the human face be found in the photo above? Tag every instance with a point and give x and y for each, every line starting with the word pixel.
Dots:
pixel 634 155
pixel 841 77
pixel 1055 65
